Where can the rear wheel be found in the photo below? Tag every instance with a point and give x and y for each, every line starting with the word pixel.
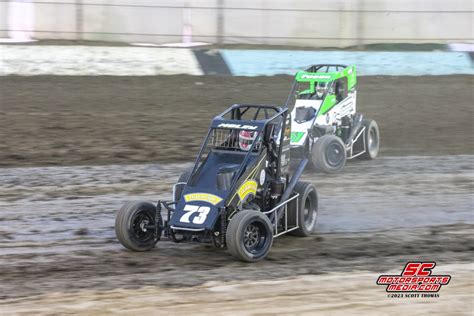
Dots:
pixel 306 214
pixel 249 236
pixel 135 226
pixel 328 154
pixel 372 139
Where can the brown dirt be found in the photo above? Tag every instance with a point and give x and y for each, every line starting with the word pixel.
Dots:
pixel 56 224
pixel 55 120
pixel 330 294
pixel 172 266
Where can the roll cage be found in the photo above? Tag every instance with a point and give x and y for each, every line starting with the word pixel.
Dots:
pixel 267 121
pixel 332 74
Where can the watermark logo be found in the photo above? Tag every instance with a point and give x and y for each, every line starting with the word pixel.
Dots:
pixel 416 277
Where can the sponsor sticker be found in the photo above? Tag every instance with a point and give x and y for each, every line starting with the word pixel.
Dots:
pixel 205 197
pixel 296 136
pixel 248 187
pixel 416 281
pixel 238 126
pixel 307 76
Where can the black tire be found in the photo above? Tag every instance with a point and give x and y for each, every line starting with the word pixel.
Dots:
pixel 328 154
pixel 372 139
pixel 179 188
pixel 308 210
pixel 129 226
pixel 249 236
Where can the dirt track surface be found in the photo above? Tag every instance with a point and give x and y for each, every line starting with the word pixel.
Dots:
pixel 64 239
pixel 55 120
pixel 56 223
pixel 333 293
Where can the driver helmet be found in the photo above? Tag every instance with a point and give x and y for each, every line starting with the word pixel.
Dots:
pixel 246 139
pixel 321 89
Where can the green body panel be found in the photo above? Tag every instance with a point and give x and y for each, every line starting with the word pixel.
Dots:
pixel 296 136
pixel 313 77
pixel 328 103
pixel 350 73
pixel 303 76
pixel 307 91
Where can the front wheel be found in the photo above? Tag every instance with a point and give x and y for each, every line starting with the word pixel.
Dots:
pixel 138 226
pixel 328 154
pixel 249 236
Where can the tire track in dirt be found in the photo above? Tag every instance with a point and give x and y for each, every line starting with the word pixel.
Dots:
pixel 333 293
pixel 57 226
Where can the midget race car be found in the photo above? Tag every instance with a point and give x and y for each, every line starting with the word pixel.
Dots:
pixel 325 127
pixel 239 194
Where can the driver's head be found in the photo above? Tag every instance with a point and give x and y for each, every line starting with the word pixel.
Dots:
pixel 246 139
pixel 321 89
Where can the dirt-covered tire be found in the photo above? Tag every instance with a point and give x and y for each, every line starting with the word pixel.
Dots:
pixel 307 215
pixel 249 236
pixel 328 154
pixel 179 188
pixel 130 222
pixel 372 139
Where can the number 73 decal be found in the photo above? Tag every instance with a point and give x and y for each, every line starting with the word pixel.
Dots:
pixel 191 209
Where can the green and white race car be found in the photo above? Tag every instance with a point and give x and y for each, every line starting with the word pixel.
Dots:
pixel 325 125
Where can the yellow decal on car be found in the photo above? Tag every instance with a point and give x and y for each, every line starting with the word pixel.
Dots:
pixel 205 197
pixel 248 187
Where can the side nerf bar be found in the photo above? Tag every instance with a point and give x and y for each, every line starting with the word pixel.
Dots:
pixel 357 123
pixel 290 187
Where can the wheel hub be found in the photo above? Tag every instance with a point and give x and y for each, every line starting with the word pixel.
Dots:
pixel 143 225
pixel 251 236
pixel 140 224
pixel 334 154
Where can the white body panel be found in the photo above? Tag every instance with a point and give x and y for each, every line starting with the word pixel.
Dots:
pixel 303 127
pixel 346 107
